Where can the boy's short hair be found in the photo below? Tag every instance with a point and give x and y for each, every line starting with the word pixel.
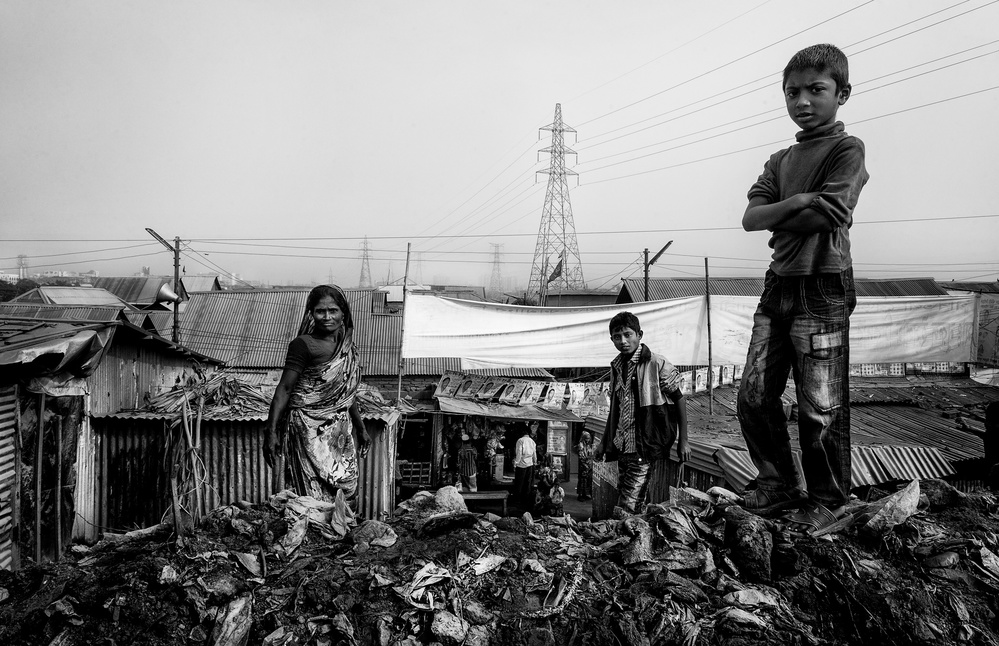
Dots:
pixel 625 319
pixel 821 58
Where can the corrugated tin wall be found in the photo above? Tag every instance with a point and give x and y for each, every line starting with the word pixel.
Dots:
pixel 131 486
pixel 130 371
pixel 376 498
pixel 8 479
pixel 84 522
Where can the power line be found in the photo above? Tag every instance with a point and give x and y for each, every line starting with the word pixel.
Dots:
pixel 775 143
pixel 677 48
pixel 778 72
pixel 529 234
pixel 76 253
pixel 758 123
pixel 771 111
pixel 724 65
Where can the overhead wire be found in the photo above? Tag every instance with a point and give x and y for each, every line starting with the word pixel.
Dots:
pixel 724 65
pixel 759 123
pixel 765 80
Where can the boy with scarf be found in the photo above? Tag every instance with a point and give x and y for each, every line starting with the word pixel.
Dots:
pixel 641 426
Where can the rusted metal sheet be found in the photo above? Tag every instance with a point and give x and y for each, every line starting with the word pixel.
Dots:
pixel 85 526
pixel 133 370
pixel 8 477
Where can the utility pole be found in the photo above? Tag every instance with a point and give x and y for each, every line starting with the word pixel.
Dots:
pixel 402 361
pixel 175 336
pixel 557 233
pixel 648 263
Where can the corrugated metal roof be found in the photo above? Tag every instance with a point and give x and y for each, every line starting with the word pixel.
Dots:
pixel 137 289
pixel 161 322
pixel 252 329
pixel 984 288
pixel 633 289
pixel 871 465
pixel 39 311
pixel 898 287
pixel 201 283
pixel 245 328
pixel 58 295
pixel 886 411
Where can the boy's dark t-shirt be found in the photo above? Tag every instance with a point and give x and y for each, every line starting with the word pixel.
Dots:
pixel 828 161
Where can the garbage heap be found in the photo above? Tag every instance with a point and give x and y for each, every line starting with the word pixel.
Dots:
pixel 917 566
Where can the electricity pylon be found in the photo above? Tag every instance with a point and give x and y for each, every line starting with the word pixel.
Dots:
pixel 496 280
pixel 365 281
pixel 556 265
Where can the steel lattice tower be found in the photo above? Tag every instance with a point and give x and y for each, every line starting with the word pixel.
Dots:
pixel 496 280
pixel 556 265
pixel 365 281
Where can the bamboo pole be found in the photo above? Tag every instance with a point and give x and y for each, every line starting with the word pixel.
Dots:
pixel 707 305
pixel 58 488
pixel 39 436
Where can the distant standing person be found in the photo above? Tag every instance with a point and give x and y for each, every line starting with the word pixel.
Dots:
pixel 318 388
pixel 468 463
pixel 525 457
pixel 584 486
pixel 805 198
pixel 641 427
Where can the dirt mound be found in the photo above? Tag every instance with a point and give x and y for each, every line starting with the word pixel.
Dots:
pixel 691 573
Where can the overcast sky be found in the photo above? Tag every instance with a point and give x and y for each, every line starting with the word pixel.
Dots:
pixel 272 137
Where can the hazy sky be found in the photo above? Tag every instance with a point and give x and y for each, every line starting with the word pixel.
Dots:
pixel 272 137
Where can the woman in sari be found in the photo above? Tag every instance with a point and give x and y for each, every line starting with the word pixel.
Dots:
pixel 317 389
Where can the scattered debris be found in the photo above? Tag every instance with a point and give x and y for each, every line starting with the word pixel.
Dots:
pixel 697 572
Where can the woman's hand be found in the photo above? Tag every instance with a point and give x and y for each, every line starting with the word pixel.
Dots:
pixel 364 444
pixel 272 447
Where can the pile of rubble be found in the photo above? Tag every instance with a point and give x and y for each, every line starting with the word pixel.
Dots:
pixel 916 567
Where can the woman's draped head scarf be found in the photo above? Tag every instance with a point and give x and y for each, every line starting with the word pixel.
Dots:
pixel 317 294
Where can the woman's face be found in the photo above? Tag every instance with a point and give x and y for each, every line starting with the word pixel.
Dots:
pixel 328 316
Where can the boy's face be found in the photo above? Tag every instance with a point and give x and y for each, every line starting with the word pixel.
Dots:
pixel 626 340
pixel 812 98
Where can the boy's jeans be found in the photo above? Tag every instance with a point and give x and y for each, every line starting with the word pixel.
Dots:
pixel 802 325
pixel 632 482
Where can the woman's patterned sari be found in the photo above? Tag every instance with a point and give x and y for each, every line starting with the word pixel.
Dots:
pixel 322 459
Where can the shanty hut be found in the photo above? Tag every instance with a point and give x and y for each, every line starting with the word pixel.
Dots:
pixel 56 375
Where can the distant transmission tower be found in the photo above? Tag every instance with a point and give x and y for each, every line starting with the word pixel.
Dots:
pixel 365 281
pixel 556 265
pixel 22 266
pixel 416 270
pixel 496 280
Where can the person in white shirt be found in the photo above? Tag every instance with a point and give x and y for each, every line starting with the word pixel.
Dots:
pixel 525 458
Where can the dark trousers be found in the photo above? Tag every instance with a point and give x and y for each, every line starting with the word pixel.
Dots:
pixel 802 326
pixel 523 486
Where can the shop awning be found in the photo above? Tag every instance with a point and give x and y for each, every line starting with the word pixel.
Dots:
pixel 465 407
